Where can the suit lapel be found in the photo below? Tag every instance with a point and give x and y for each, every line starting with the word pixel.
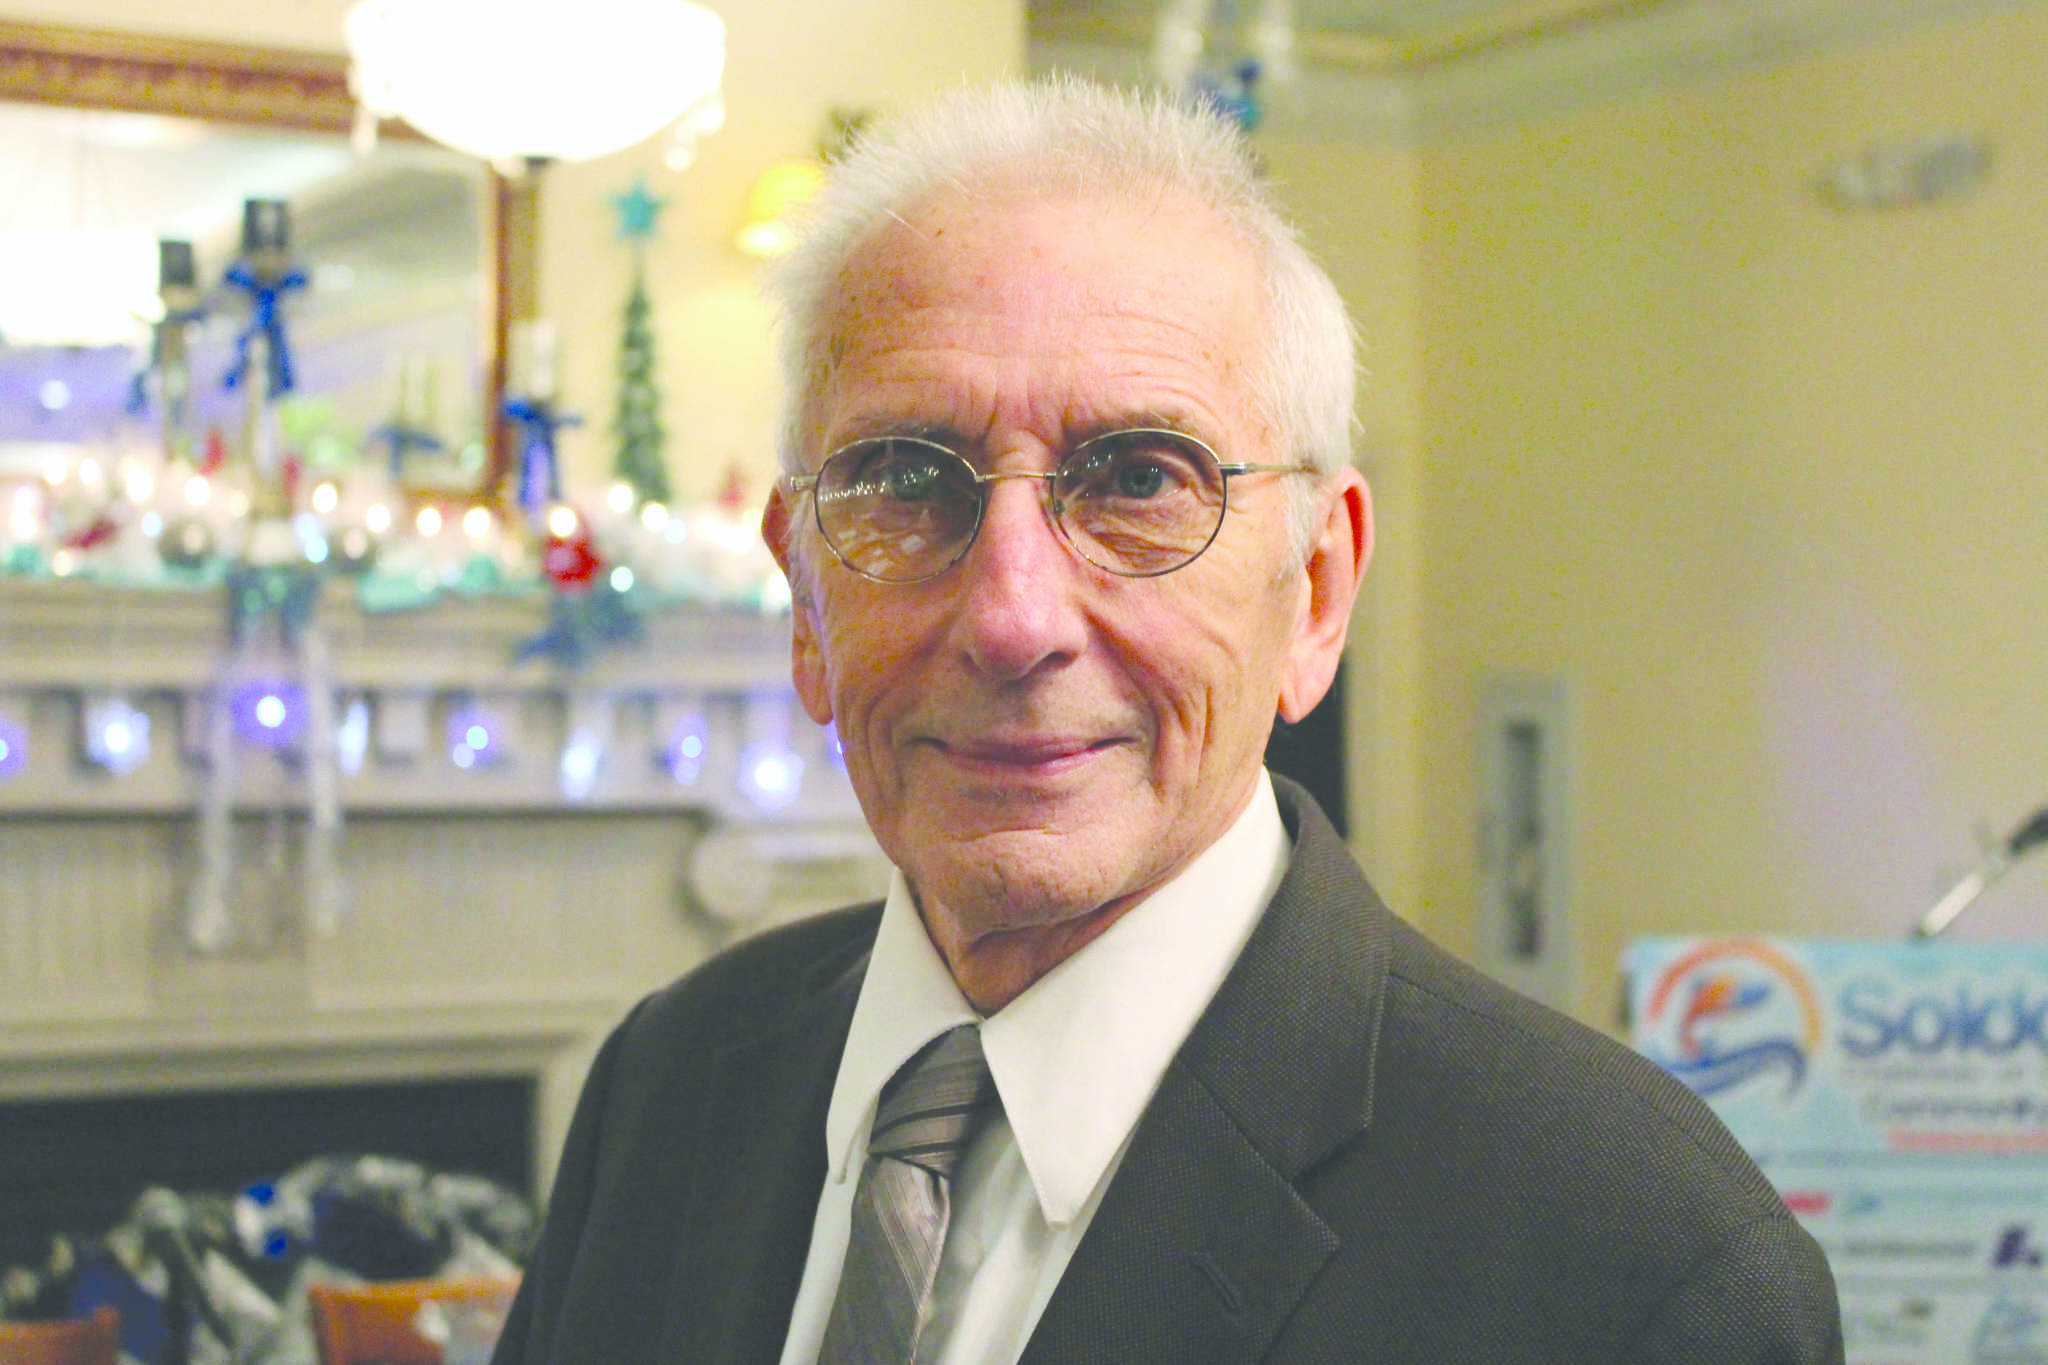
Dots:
pixel 1198 1253
pixel 754 1185
pixel 1202 1245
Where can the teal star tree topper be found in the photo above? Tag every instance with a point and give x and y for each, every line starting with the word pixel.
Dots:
pixel 637 209
pixel 636 421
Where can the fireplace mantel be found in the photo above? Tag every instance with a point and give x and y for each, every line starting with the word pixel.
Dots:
pixel 496 921
pixel 64 644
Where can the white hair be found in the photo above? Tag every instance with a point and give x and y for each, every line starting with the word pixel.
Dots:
pixel 1071 136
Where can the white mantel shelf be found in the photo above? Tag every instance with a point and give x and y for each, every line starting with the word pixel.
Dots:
pixel 63 644
pixel 156 1054
pixel 57 633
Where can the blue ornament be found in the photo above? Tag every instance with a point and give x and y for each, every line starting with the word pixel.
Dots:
pixel 266 316
pixel 540 476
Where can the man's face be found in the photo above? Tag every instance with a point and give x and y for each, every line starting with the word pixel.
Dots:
pixel 1032 738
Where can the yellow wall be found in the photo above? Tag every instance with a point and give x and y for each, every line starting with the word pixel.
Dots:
pixel 1356 206
pixel 1764 481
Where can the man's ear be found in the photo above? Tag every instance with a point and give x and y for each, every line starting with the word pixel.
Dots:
pixel 1336 566
pixel 806 651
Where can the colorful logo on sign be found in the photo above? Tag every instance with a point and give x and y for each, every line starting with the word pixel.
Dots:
pixel 1733 1011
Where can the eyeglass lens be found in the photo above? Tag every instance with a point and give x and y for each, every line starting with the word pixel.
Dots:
pixel 1137 503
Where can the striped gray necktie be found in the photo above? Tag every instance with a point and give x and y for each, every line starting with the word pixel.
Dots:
pixel 927 1114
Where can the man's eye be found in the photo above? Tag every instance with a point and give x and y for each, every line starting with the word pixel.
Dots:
pixel 910 480
pixel 1134 479
pixel 1132 468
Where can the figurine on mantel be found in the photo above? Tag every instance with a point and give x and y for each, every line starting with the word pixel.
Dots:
pixel 263 371
pixel 169 377
pixel 530 406
pixel 412 428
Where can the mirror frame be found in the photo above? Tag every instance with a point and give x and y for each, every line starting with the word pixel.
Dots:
pixel 274 88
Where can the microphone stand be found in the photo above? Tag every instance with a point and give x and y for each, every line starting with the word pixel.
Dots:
pixel 2029 836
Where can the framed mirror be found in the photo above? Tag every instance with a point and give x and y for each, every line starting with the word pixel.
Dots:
pixel 109 143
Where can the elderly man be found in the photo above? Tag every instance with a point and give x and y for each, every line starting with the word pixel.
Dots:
pixel 1131 1066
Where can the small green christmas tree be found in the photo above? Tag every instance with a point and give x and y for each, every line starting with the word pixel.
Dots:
pixel 637 420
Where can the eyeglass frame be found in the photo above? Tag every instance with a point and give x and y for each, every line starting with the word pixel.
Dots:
pixel 1225 469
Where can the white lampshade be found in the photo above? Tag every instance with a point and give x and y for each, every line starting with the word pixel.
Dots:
pixel 556 79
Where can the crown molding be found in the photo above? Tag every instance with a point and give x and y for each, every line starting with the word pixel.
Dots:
pixel 1540 74
pixel 135 73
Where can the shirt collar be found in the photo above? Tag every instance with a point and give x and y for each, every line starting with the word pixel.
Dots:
pixel 1077 1056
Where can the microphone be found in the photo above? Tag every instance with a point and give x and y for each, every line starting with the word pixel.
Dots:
pixel 2032 833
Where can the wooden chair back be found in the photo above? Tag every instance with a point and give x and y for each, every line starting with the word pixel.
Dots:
pixel 81 1341
pixel 376 1324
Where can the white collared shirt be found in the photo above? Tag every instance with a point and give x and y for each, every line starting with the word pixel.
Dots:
pixel 1075 1058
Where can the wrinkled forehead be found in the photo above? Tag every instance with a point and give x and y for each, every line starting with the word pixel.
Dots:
pixel 1039 274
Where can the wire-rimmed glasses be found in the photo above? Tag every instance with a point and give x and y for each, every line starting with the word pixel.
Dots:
pixel 1137 503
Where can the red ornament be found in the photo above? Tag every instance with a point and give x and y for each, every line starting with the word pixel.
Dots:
pixel 732 496
pixel 214 453
pixel 98 531
pixel 570 562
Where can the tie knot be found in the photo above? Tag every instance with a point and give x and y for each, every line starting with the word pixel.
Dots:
pixel 931 1106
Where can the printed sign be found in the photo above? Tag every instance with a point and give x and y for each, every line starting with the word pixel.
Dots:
pixel 1853 1047
pixel 1937 1261
pixel 1897 1095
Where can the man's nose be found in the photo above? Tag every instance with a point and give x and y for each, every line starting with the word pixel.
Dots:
pixel 1019 609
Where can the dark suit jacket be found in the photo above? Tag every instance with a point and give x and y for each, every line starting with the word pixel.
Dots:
pixel 1365 1152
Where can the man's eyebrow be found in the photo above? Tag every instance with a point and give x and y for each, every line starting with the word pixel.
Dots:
pixel 884 425
pixel 1074 429
pixel 1146 419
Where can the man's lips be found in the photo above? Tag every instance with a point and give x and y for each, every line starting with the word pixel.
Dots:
pixel 1022 756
